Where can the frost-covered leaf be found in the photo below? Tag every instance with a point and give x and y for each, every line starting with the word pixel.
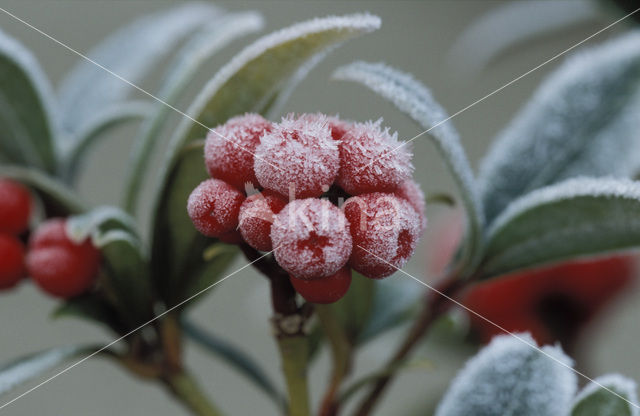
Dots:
pixel 35 365
pixel 517 23
pixel 58 199
pixel 414 99
pixel 107 119
pixel 131 52
pixel 577 217
pixel 112 231
pixel 248 83
pixel 512 377
pixel 215 35
pixel 235 357
pixel 580 122
pixel 594 400
pixel 27 118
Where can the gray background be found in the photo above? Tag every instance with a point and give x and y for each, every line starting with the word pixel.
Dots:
pixel 415 36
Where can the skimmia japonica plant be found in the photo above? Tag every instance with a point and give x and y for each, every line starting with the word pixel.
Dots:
pixel 326 209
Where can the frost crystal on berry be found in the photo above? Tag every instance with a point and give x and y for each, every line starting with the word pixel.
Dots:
pixel 298 156
pixel 385 232
pixel 257 213
pixel 230 148
pixel 411 191
pixel 311 238
pixel 214 207
pixel 372 160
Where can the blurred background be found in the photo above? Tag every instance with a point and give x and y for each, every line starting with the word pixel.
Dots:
pixel 416 36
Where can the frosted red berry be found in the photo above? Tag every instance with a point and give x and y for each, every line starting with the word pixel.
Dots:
pixel 257 213
pixel 15 207
pixel 326 290
pixel 372 160
pixel 385 231
pixel 297 157
pixel 230 148
pixel 411 191
pixel 337 127
pixel 232 237
pixel 214 207
pixel 58 265
pixel 311 238
pixel 12 268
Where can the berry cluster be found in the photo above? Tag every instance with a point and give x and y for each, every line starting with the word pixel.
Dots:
pixel 59 266
pixel 333 196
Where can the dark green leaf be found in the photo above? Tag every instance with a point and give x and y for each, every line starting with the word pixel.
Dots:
pixel 59 200
pixel 414 99
pixel 35 365
pixel 248 83
pixel 234 356
pixel 131 52
pixel 577 217
pixel 594 400
pixel 27 129
pixel 581 121
pixel 214 36
pixel 355 308
pixel 90 307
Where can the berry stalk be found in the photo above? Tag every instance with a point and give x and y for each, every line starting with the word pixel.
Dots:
pixel 187 391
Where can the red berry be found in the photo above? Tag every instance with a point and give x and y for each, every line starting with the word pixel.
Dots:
pixel 311 238
pixel 232 237
pixel 214 207
pixel 372 160
pixel 337 126
pixel 57 264
pixel 229 149
pixel 15 207
pixel 385 231
pixel 411 191
pixel 326 290
pixel 12 267
pixel 298 157
pixel 257 213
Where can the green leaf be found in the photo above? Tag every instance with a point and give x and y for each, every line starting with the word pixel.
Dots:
pixel 27 129
pixel 594 400
pixel 35 365
pixel 113 232
pixel 512 377
pixel 108 119
pixel 248 83
pixel 131 52
pixel 395 301
pixel 90 307
pixel 354 310
pixel 196 52
pixel 577 217
pixel 581 121
pixel 414 99
pixel 59 200
pixel 235 357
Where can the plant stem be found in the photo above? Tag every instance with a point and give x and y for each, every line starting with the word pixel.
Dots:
pixel 435 304
pixel 341 350
pixel 187 391
pixel 295 355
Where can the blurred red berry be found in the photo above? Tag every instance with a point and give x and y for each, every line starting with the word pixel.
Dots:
pixel 326 290
pixel 257 213
pixel 372 160
pixel 385 230
pixel 15 207
pixel 311 238
pixel 12 268
pixel 58 265
pixel 553 303
pixel 297 157
pixel 229 149
pixel 214 207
